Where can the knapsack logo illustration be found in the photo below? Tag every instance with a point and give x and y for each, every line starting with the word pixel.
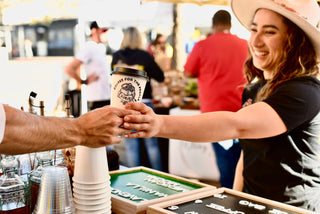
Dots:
pixel 127 93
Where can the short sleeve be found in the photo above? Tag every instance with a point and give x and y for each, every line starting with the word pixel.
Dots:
pixel 193 60
pixel 296 101
pixel 84 54
pixel 2 121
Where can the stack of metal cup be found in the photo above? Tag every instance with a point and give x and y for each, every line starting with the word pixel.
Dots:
pixel 91 181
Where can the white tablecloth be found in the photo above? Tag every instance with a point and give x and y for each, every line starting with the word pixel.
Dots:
pixel 192 160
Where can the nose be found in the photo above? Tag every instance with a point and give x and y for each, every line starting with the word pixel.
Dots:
pixel 256 40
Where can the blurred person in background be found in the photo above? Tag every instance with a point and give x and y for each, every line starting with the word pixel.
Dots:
pixel 93 57
pixel 217 62
pixel 161 51
pixel 131 54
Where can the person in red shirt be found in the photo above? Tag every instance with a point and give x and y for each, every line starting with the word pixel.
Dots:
pixel 218 63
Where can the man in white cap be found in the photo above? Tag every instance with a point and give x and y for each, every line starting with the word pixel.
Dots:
pixel 93 56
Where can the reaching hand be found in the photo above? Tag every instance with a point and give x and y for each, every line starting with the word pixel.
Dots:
pixel 146 125
pixel 103 126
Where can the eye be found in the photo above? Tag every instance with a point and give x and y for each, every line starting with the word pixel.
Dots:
pixel 253 29
pixel 271 32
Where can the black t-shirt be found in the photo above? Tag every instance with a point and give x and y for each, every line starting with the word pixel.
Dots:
pixel 143 61
pixel 286 167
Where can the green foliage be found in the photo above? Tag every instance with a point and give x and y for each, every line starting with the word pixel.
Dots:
pixel 191 88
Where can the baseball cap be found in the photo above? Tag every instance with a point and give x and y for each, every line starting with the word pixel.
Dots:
pixel 95 24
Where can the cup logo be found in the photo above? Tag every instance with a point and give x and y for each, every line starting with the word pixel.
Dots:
pixel 127 93
pixel 128 89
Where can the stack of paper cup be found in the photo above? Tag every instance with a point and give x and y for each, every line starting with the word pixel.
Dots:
pixel 91 181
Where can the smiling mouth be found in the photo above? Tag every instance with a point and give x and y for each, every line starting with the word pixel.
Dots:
pixel 260 53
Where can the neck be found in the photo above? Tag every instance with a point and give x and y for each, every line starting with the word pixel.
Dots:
pixel 95 39
pixel 221 28
pixel 267 75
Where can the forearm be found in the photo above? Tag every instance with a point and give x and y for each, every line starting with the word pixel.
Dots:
pixel 73 70
pixel 209 127
pixel 25 132
pixel 74 74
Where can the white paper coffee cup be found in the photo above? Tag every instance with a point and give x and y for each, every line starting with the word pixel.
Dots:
pixel 128 85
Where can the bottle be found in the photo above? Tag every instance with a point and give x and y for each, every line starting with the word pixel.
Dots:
pixel 14 194
pixel 26 163
pixel 45 159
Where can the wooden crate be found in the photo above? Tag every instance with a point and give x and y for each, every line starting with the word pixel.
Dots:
pixel 223 200
pixel 134 189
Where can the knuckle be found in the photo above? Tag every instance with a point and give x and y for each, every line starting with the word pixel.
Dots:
pixel 112 132
pixel 114 121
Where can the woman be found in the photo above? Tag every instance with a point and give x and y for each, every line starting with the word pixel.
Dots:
pixel 161 51
pixel 131 54
pixel 280 130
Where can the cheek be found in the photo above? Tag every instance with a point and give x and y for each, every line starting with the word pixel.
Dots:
pixel 277 47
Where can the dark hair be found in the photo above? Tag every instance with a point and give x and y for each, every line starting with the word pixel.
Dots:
pixel 298 59
pixel 156 41
pixel 94 24
pixel 221 17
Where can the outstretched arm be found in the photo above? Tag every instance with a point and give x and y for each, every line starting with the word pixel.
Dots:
pixel 258 120
pixel 25 132
pixel 238 177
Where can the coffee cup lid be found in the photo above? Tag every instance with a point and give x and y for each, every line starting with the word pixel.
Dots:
pixel 130 72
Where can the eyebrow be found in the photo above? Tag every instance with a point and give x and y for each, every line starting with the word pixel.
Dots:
pixel 266 26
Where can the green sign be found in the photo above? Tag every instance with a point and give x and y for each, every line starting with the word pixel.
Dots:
pixel 142 185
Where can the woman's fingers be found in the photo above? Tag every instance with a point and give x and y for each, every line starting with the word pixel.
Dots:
pixel 138 107
pixel 136 126
pixel 137 134
pixel 145 124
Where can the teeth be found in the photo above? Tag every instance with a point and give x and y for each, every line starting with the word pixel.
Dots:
pixel 260 53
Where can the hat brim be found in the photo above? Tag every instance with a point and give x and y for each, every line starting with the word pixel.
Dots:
pixel 245 10
pixel 105 29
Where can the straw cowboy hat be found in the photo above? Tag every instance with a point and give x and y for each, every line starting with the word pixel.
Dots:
pixel 304 13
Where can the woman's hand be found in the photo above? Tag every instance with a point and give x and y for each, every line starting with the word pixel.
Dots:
pixel 146 125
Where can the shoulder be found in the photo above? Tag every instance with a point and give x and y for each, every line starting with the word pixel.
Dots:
pixel 143 52
pixel 304 91
pixel 300 85
pixel 203 42
pixel 90 44
pixel 239 41
pixel 117 52
pixel 296 101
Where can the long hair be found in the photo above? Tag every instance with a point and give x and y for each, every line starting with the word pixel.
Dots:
pixel 298 59
pixel 131 39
